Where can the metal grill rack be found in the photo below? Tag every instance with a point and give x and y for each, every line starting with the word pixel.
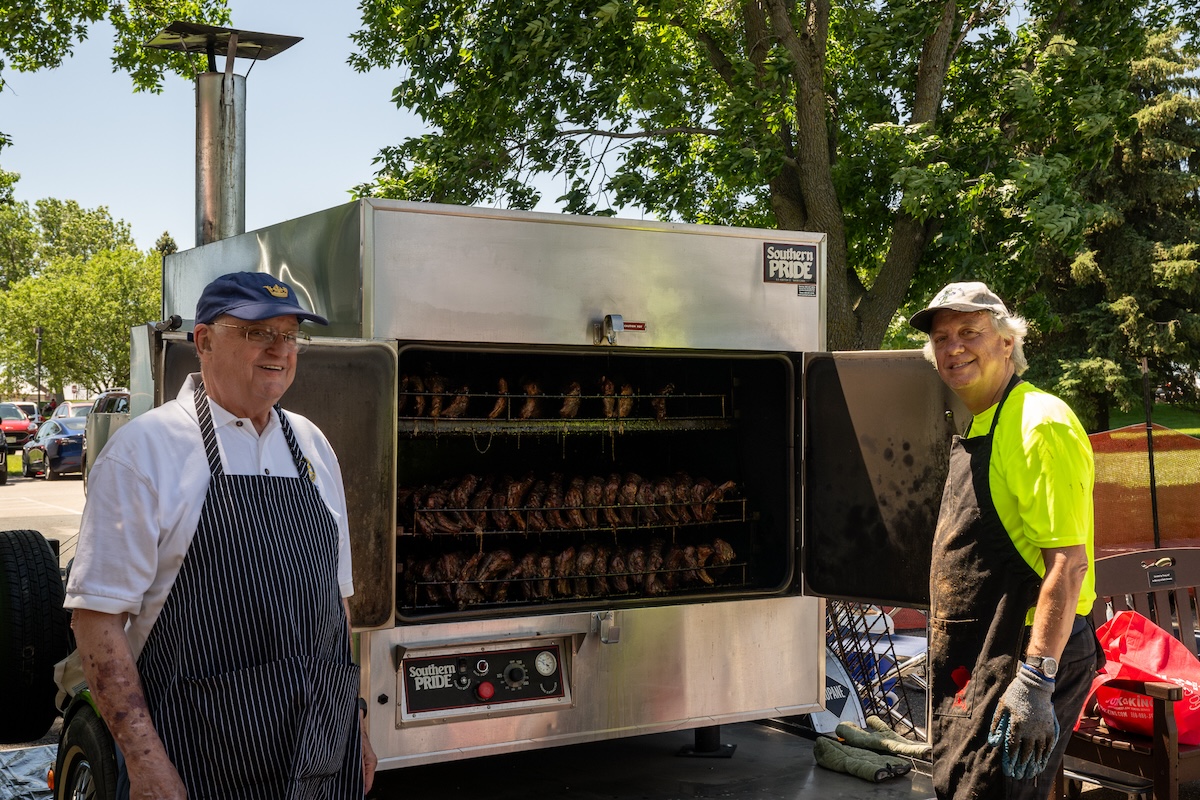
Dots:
pixel 444 594
pixel 866 649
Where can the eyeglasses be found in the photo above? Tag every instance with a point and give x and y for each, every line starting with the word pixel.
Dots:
pixel 296 341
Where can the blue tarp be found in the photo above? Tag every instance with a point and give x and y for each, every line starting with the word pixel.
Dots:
pixel 23 772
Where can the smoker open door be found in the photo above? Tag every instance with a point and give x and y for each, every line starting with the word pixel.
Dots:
pixel 347 387
pixel 877 432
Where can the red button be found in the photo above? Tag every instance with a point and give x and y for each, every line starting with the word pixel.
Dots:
pixel 485 691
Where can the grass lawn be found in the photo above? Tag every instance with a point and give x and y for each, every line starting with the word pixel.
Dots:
pixel 1179 419
pixel 14 463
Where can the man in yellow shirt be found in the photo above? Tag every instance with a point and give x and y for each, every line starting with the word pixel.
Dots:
pixel 1012 654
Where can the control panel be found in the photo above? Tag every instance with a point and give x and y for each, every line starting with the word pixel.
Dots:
pixel 486 678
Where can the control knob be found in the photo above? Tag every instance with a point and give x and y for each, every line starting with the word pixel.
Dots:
pixel 515 674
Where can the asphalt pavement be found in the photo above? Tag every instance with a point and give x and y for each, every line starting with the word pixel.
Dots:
pixel 50 507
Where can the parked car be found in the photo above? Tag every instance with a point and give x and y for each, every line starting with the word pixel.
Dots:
pixel 17 426
pixel 31 410
pixel 72 408
pixel 3 460
pixel 56 450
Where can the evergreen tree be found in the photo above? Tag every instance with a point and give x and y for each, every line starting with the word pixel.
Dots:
pixel 166 244
pixel 1133 290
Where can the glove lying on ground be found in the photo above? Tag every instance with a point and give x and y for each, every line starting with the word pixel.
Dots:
pixel 882 739
pixel 1024 725
pixel 865 764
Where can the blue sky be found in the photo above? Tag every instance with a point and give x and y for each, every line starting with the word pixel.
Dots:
pixel 313 126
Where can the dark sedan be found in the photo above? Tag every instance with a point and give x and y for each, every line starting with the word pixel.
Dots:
pixel 17 427
pixel 56 450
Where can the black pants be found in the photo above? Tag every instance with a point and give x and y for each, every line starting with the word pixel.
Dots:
pixel 1076 669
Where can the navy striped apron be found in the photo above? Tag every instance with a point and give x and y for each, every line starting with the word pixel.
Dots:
pixel 247 671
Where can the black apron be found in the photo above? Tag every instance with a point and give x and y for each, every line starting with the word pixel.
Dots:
pixel 980 591
pixel 247 671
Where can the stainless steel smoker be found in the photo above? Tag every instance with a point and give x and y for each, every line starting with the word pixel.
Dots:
pixel 600 471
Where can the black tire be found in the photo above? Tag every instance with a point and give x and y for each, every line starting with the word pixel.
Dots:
pixel 86 768
pixel 46 471
pixel 34 635
pixel 4 471
pixel 25 470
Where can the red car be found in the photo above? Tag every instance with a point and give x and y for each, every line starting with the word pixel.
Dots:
pixel 18 428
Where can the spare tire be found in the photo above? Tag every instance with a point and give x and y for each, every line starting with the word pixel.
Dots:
pixel 34 635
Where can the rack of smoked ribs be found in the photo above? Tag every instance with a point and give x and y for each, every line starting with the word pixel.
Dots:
pixel 458 579
pixel 471 504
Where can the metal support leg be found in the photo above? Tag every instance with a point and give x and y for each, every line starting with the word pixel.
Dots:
pixel 708 744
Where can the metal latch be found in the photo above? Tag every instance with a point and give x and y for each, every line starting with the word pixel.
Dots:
pixel 608 329
pixel 606 623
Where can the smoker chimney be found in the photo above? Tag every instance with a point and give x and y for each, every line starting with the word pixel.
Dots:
pixel 220 120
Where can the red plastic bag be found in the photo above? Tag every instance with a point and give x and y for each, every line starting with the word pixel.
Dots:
pixel 1139 650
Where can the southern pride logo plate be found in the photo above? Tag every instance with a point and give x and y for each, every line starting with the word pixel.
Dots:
pixel 791 263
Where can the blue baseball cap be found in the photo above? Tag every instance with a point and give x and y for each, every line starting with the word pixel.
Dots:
pixel 251 296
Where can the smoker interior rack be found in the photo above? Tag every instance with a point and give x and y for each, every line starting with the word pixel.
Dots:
pixel 465 412
pixel 425 587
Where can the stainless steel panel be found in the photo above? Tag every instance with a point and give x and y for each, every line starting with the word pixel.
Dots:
pixel 673 667
pixel 141 369
pixel 878 430
pixel 318 254
pixel 447 273
pixel 426 272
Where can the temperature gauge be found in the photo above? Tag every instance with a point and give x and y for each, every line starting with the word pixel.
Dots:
pixel 545 663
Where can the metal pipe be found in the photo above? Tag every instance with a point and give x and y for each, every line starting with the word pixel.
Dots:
pixel 1148 406
pixel 220 156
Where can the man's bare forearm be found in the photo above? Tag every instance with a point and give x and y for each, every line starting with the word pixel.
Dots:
pixel 116 687
pixel 1057 599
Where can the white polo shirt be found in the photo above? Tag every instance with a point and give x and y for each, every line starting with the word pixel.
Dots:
pixel 145 493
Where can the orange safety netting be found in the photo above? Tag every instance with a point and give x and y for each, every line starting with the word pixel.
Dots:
pixel 1124 518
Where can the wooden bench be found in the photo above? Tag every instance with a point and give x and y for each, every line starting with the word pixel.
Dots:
pixel 1161 586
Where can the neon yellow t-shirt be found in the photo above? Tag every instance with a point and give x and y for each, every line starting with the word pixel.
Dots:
pixel 1041 477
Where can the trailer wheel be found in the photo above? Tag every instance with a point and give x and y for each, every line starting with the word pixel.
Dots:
pixel 86 768
pixel 34 635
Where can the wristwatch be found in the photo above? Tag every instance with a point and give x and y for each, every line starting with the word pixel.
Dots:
pixel 1047 665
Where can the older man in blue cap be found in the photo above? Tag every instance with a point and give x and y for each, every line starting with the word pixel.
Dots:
pixel 211 574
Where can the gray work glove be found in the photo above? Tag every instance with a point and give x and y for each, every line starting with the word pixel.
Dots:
pixel 1024 725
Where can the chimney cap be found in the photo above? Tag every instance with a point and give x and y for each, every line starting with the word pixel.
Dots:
pixel 192 37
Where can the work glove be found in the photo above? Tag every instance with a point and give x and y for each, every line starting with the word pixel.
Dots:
pixel 881 739
pixel 1024 725
pixel 866 764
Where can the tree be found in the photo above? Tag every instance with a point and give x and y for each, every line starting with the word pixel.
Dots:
pixel 39 34
pixel 30 238
pixel 85 309
pixel 1133 290
pixel 18 243
pixel 71 231
pixel 928 140
pixel 166 244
